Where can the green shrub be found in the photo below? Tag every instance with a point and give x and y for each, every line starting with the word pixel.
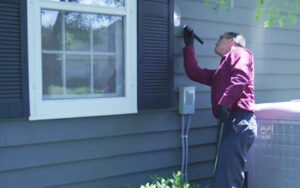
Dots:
pixel 176 181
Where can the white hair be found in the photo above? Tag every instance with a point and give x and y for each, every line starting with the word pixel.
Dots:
pixel 237 38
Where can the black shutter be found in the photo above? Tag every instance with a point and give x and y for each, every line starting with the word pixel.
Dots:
pixel 155 54
pixel 13 59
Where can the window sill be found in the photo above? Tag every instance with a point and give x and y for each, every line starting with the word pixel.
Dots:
pixel 81 115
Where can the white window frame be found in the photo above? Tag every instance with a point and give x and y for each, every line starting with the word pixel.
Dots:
pixel 70 108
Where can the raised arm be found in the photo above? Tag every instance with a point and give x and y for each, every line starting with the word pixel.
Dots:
pixel 193 71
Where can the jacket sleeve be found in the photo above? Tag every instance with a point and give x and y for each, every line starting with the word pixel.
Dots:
pixel 193 71
pixel 241 66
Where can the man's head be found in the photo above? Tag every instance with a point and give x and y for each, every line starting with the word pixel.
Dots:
pixel 227 41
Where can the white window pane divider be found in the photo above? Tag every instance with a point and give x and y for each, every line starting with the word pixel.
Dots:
pixel 85 96
pixel 79 53
pixel 83 8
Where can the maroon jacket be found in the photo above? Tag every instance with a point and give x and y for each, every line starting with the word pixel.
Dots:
pixel 232 84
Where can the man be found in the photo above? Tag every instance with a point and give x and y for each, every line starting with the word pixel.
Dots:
pixel 232 98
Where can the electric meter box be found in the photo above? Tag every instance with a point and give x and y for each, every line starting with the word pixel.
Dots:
pixel 187 100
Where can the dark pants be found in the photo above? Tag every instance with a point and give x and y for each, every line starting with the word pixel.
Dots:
pixel 239 133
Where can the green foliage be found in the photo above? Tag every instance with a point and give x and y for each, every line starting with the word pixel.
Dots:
pixel 56 90
pixel 176 181
pixel 273 15
pixel 270 12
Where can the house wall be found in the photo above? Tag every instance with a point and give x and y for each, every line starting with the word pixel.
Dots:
pixel 113 151
pixel 101 151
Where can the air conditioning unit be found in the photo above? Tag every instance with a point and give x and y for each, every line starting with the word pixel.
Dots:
pixel 274 159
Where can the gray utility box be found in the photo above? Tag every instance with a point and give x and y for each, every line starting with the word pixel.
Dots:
pixel 187 100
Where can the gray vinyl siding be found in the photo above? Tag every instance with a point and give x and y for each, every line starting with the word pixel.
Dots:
pixel 113 151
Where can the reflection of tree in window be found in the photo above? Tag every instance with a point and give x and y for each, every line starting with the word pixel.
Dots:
pixel 52 40
pixel 111 3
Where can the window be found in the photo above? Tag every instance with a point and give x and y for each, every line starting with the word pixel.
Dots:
pixel 82 58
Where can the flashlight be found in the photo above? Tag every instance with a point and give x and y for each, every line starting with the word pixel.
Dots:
pixel 188 29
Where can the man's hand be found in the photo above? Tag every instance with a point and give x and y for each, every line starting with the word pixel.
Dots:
pixel 223 113
pixel 188 38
